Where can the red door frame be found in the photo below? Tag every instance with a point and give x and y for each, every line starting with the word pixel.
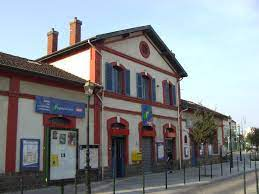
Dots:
pixel 147 133
pixel 170 135
pixel 113 132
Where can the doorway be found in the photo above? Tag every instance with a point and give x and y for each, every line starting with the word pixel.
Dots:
pixel 118 156
pixel 147 150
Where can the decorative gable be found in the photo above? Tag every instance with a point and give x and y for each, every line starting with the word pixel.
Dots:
pixel 140 47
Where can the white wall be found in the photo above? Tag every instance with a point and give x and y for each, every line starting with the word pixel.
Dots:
pixel 137 68
pixel 29 125
pixel 55 92
pixel 131 47
pixel 3 127
pixel 78 64
pixel 4 83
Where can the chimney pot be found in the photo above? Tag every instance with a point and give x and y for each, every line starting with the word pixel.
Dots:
pixel 75 31
pixel 52 41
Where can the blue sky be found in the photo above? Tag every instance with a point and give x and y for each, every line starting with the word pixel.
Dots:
pixel 216 41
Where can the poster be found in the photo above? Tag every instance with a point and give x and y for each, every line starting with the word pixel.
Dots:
pixel 93 154
pixel 29 154
pixel 160 151
pixel 147 116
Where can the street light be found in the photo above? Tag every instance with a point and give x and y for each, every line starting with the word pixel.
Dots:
pixel 231 151
pixel 239 142
pixel 90 89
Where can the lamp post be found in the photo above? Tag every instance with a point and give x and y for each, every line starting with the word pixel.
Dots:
pixel 239 142
pixel 90 89
pixel 230 137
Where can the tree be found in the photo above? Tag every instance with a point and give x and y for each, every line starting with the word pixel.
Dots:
pixel 253 137
pixel 204 126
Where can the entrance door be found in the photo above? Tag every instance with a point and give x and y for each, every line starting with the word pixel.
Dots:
pixel 62 154
pixel 147 153
pixel 118 152
pixel 193 155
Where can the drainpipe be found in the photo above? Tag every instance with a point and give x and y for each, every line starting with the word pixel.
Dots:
pixel 179 114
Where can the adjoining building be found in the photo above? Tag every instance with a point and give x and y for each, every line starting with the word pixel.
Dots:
pixel 43 104
pixel 191 152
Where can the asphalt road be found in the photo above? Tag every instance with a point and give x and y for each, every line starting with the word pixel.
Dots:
pixel 234 185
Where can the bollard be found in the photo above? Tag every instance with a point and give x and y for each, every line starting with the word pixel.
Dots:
pixel 256 176
pixel 184 179
pixel 221 167
pixel 211 169
pixel 250 160
pixel 230 169
pixel 199 171
pixel 237 164
pixel 62 187
pixel 114 168
pixel 21 184
pixel 166 167
pixel 244 175
pixel 76 183
pixel 143 179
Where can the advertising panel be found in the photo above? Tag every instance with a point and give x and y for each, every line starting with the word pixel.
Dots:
pixel 29 154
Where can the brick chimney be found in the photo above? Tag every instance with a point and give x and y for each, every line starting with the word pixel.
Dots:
pixel 52 41
pixel 75 31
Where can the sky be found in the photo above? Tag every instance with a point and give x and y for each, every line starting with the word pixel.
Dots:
pixel 216 41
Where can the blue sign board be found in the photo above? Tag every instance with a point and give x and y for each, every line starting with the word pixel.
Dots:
pixel 60 107
pixel 147 116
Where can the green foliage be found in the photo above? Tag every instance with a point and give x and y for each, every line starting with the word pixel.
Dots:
pixel 204 127
pixel 253 137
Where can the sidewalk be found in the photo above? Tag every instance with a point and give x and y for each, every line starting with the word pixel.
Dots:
pixel 156 182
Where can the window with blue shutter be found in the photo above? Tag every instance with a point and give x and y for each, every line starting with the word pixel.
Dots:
pixel 174 94
pixel 153 89
pixel 139 85
pixel 167 93
pixel 109 77
pixel 127 82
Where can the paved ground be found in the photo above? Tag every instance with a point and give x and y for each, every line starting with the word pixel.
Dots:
pixel 234 185
pixel 155 183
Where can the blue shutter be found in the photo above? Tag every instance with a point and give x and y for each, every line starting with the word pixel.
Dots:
pixel 139 85
pixel 108 77
pixel 153 89
pixel 174 94
pixel 127 82
pixel 167 95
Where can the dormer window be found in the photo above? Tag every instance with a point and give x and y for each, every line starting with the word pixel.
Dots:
pixel 169 93
pixel 146 87
pixel 117 78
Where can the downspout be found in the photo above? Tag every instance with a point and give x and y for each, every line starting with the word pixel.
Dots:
pixel 101 100
pixel 179 124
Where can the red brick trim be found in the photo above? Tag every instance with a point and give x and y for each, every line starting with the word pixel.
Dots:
pixel 46 123
pixel 138 100
pixel 144 49
pixel 117 132
pixel 106 108
pixel 12 118
pixel 147 133
pixel 112 51
pixel 172 135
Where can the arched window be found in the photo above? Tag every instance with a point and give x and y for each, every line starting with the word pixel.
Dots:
pixel 169 93
pixel 185 139
pixel 117 78
pixel 146 87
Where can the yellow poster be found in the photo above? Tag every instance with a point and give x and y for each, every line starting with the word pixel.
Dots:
pixel 54 160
